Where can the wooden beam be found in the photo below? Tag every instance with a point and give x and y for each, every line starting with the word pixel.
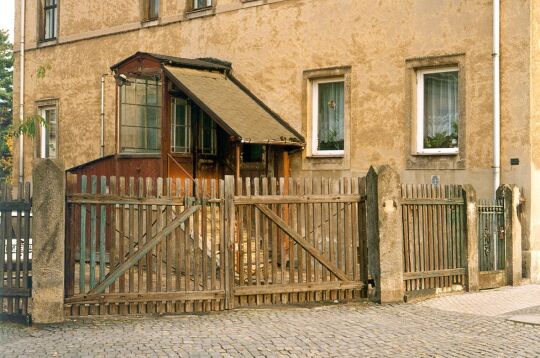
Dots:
pixel 118 199
pixel 15 292
pixel 145 296
pixel 137 255
pixel 302 242
pixel 298 287
pixel 237 160
pixel 434 201
pixel 296 199
pixel 434 273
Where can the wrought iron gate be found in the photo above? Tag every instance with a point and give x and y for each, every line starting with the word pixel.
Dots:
pixel 491 235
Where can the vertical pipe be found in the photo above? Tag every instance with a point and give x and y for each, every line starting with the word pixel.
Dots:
pixel 237 161
pixel 21 89
pixel 102 118
pixel 496 98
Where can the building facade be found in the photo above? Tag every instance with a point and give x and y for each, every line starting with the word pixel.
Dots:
pixel 407 83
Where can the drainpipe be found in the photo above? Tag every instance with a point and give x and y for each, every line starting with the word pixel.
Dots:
pixel 102 118
pixel 21 88
pixel 496 98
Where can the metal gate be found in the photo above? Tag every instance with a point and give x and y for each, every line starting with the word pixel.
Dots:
pixel 492 242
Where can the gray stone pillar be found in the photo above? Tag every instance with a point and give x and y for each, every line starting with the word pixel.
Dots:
pixel 469 195
pixel 48 201
pixel 513 264
pixel 384 234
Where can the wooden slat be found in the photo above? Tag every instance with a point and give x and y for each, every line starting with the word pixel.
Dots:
pixel 82 242
pixel 9 206
pixel 301 241
pixel 93 234
pixel 112 231
pixel 133 258
pixel 15 292
pixel 431 201
pixel 102 227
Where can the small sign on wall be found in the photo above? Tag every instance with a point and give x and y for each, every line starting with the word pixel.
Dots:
pixel 435 180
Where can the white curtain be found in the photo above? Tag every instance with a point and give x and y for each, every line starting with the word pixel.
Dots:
pixel 331 114
pixel 441 107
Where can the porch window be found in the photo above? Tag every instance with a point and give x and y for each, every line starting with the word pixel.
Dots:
pixel 140 116
pixel 181 126
pixel 208 134
pixel 50 12
pixel 252 153
pixel 328 117
pixel 152 9
pixel 199 4
pixel 437 111
pixel 49 133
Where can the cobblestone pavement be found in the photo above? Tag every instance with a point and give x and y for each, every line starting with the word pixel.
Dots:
pixel 366 330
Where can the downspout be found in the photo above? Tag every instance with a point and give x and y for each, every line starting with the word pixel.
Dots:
pixel 496 98
pixel 102 118
pixel 21 101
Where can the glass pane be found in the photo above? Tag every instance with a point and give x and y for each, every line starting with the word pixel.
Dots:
pixel 153 8
pixel 331 116
pixel 441 110
pixel 140 130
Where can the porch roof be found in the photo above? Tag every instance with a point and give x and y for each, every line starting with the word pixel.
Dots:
pixel 233 107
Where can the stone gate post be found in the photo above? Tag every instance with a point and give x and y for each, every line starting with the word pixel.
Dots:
pixel 512 226
pixel 48 201
pixel 385 234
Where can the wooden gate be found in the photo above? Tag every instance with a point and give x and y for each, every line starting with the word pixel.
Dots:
pixel 135 246
pixel 434 237
pixel 15 252
pixel 298 240
pixel 139 246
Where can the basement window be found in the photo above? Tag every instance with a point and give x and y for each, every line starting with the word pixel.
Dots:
pixel 152 9
pixel 437 111
pixel 201 4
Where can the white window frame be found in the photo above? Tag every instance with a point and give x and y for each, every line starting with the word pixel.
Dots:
pixel 213 135
pixel 196 5
pixel 420 113
pixel 44 131
pixel 173 126
pixel 315 118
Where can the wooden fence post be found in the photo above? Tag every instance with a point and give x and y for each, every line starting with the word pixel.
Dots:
pixel 512 226
pixel 469 197
pixel 229 242
pixel 48 241
pixel 385 234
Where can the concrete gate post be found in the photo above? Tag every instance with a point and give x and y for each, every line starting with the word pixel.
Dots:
pixel 48 201
pixel 384 234
pixel 513 264
pixel 469 196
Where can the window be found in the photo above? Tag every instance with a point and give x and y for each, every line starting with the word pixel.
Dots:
pixel 140 116
pixel 328 114
pixel 199 4
pixel 252 153
pixel 49 133
pixel 50 11
pixel 181 126
pixel 152 9
pixel 437 111
pixel 208 134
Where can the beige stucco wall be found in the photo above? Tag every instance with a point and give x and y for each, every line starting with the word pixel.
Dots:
pixel 271 44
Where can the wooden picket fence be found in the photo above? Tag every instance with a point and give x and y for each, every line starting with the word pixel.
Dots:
pixel 434 236
pixel 143 246
pixel 15 251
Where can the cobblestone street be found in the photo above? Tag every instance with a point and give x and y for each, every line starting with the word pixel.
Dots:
pixel 444 326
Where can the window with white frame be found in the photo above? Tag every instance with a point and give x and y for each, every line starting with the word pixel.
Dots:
pixel 152 9
pixel 328 116
pixel 437 92
pixel 49 132
pixel 181 126
pixel 199 4
pixel 50 13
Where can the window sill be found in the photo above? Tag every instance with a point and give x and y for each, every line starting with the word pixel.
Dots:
pixel 326 156
pixel 139 155
pixel 427 154
pixel 200 12
pixel 47 43
pixel 150 22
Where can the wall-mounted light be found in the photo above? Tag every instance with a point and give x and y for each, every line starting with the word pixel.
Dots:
pixel 122 80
